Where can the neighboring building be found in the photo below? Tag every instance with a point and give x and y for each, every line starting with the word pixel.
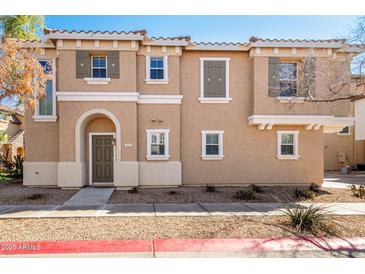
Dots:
pixel 127 110
pixel 347 147
pixel 11 132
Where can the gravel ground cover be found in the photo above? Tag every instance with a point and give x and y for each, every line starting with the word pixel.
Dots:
pixel 270 194
pixel 14 193
pixel 167 227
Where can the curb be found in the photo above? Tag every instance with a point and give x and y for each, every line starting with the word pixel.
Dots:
pixel 183 245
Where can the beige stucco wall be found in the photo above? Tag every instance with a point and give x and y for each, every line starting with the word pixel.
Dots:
pixel 169 116
pixel 67 74
pixel 249 154
pixel 126 113
pixel 334 143
pixel 41 140
pixel 172 87
pixel 263 104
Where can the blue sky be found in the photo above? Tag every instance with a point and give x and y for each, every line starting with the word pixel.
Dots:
pixel 215 28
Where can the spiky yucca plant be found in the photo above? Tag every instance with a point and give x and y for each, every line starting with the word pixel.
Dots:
pixel 306 219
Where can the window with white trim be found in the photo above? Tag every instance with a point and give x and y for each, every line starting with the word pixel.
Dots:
pixel 156 69
pixel 158 144
pixel 99 66
pixel 45 103
pixel 288 79
pixel 212 144
pixel 287 145
pixel 345 131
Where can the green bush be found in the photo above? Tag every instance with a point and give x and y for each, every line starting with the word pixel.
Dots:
pixel 315 188
pixel 211 188
pixel 358 191
pixel 133 190
pixel 303 194
pixel 256 188
pixel 306 219
pixel 13 168
pixel 245 195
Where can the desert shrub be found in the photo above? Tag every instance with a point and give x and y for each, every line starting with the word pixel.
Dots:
pixel 36 196
pixel 211 189
pixel 13 168
pixel 256 188
pixel 303 194
pixel 245 195
pixel 358 191
pixel 133 190
pixel 315 188
pixel 172 192
pixel 306 219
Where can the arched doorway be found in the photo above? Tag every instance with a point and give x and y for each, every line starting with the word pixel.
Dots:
pixel 98 145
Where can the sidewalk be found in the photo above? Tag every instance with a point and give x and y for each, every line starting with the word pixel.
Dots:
pixel 193 209
pixel 249 247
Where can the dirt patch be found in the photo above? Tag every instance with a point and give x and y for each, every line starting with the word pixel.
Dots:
pixel 14 193
pixel 167 227
pixel 269 194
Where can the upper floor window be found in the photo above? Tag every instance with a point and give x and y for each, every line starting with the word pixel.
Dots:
pixel 287 147
pixel 214 80
pixel 46 106
pixel 212 144
pixel 47 66
pixel 99 69
pixel 158 144
pixel 3 116
pixel 156 70
pixel 288 79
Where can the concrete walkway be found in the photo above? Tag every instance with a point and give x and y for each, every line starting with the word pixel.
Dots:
pixel 90 196
pixel 193 209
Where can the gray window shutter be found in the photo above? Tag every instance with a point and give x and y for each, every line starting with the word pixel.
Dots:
pixel 113 64
pixel 82 64
pixel 215 79
pixel 274 76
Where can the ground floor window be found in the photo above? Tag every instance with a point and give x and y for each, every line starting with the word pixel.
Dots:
pixel 158 144
pixel 287 146
pixel 212 144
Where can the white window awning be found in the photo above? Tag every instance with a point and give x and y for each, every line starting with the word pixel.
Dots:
pixel 330 123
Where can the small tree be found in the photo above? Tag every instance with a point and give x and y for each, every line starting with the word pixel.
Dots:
pixel 21 76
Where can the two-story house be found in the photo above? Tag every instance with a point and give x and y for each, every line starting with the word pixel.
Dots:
pixel 124 109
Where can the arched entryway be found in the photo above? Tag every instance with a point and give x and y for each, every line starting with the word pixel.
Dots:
pixel 98 145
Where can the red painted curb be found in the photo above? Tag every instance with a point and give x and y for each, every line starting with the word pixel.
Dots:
pixel 182 245
pixel 258 244
pixel 87 246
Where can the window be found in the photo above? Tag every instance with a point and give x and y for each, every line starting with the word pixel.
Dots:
pixel 158 144
pixel 46 101
pixel 345 131
pixel 214 80
pixel 3 116
pixel 212 145
pixel 288 79
pixel 47 66
pixel 287 147
pixel 46 105
pixel 98 65
pixel 156 70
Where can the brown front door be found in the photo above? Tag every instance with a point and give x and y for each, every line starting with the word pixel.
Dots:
pixel 102 158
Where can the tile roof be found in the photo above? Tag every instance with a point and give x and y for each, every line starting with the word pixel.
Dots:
pixel 50 31
pixel 254 39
